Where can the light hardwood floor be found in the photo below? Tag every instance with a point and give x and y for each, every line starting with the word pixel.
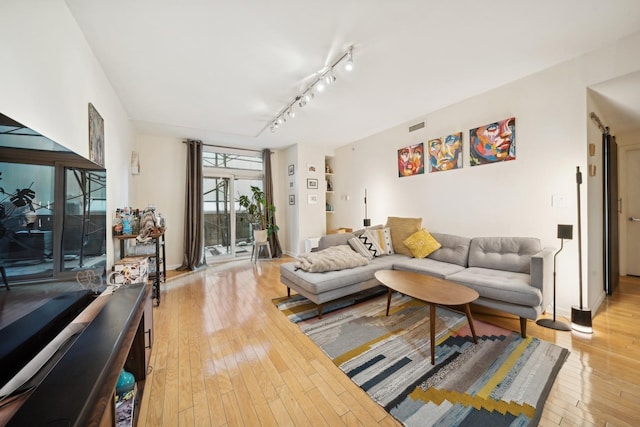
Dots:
pixel 223 355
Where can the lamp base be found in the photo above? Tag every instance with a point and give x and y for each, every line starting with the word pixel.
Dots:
pixel 581 320
pixel 553 324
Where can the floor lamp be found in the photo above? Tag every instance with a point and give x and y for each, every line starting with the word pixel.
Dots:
pixel 564 232
pixel 580 315
pixel 367 221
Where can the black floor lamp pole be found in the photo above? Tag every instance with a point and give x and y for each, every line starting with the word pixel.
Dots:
pixel 580 315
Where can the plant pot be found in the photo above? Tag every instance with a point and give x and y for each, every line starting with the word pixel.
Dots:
pixel 260 235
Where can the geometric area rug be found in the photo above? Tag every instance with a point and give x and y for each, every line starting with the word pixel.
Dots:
pixel 503 380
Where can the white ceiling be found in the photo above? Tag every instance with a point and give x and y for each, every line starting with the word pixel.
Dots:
pixel 221 70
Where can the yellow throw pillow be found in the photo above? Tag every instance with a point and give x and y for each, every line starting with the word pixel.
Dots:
pixel 421 243
pixel 401 229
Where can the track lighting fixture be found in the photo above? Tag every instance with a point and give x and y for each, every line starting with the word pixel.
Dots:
pixel 325 78
pixel 349 64
pixel 329 77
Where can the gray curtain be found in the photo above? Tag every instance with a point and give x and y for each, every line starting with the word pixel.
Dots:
pixel 194 209
pixel 274 242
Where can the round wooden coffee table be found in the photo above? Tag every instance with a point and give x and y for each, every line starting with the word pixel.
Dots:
pixel 431 290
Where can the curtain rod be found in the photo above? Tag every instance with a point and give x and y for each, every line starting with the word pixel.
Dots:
pixel 597 121
pixel 229 148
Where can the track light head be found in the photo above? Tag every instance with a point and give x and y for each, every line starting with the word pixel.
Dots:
pixel 329 77
pixel 291 113
pixel 349 64
pixel 320 85
pixel 308 96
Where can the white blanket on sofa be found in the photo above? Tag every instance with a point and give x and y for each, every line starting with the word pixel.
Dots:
pixel 330 259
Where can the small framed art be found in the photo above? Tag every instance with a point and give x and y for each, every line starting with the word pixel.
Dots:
pixel 291 170
pixel 292 199
pixel 312 199
pixel 312 183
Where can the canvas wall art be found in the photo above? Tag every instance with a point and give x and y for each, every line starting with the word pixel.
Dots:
pixel 495 142
pixel 96 136
pixel 411 160
pixel 445 153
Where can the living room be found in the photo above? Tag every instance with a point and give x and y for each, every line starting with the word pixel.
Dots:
pixel 51 79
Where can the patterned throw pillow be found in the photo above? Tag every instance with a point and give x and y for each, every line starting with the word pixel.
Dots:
pixel 382 237
pixel 357 245
pixel 370 244
pixel 421 243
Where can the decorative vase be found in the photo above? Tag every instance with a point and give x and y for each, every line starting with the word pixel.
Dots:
pixel 126 382
pixel 260 235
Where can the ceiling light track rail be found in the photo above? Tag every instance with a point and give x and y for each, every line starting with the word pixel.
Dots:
pixel 325 78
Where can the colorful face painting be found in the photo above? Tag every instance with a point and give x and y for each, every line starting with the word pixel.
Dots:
pixel 411 160
pixel 447 154
pixel 492 143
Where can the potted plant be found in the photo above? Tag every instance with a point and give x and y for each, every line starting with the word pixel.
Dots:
pixel 260 214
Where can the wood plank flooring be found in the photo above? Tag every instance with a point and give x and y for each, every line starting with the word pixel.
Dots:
pixel 223 355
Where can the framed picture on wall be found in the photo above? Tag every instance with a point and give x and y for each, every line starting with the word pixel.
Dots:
pixel 291 170
pixel 312 183
pixel 411 160
pixel 292 199
pixel 495 142
pixel 96 136
pixel 312 199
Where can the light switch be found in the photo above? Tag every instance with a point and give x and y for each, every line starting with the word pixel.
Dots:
pixel 560 200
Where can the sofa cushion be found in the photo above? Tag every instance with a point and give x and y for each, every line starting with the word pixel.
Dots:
pixel 503 253
pixel 506 286
pixel 428 266
pixel 401 229
pixel 357 245
pixel 453 249
pixel 382 237
pixel 421 243
pixel 334 240
pixel 371 244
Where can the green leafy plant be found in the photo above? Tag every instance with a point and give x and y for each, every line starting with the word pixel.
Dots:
pixel 260 214
pixel 19 199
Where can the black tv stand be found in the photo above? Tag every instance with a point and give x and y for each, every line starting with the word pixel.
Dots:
pixel 80 389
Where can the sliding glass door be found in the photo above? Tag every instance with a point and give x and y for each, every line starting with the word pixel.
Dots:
pixel 227 232
pixel 228 173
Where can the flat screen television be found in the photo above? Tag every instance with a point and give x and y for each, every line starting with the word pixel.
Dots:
pixel 52 240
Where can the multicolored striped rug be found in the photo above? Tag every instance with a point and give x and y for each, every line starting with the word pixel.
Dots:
pixel 503 380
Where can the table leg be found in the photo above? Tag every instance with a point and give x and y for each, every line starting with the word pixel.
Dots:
pixel 432 321
pixel 467 310
pixel 389 299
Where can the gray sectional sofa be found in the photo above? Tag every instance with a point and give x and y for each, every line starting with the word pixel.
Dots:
pixel 511 274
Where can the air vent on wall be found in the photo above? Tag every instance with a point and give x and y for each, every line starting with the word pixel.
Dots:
pixel 416 126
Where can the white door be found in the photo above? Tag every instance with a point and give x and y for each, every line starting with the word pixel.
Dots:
pixel 633 210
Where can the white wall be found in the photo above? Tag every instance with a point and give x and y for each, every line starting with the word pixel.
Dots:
pixel 49 76
pixel 508 199
pixel 162 181
pixel 311 218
